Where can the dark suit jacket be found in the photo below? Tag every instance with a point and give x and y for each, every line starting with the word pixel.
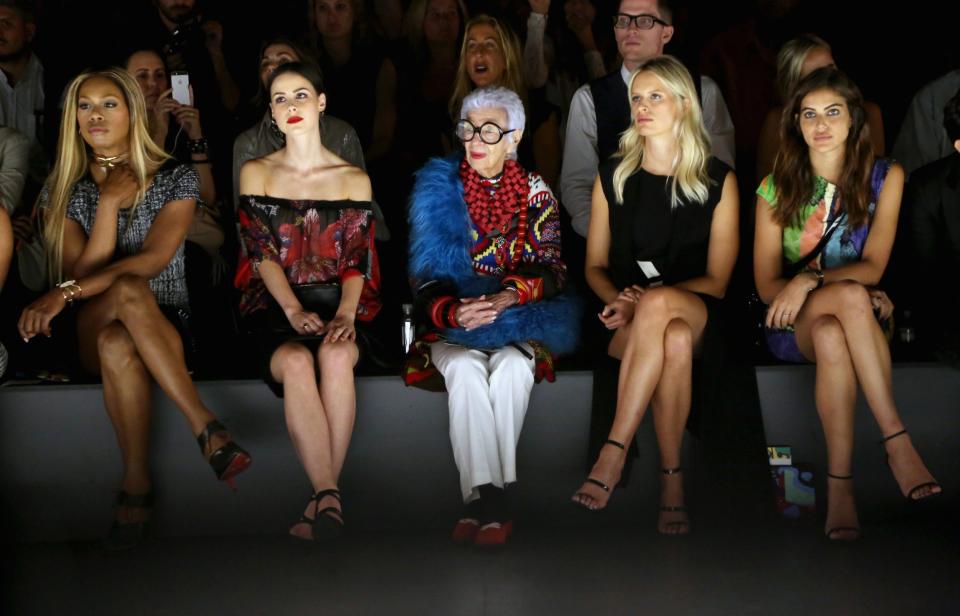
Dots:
pixel 933 207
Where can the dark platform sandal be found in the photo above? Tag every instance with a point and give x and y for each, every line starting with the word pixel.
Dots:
pixel 128 535
pixel 674 508
pixel 229 460
pixel 857 533
pixel 597 482
pixel 327 523
pixel 918 487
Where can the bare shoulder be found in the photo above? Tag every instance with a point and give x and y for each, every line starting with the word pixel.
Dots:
pixel 356 183
pixel 253 175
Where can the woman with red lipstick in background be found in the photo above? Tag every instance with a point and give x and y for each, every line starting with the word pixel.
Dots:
pixel 307 224
pixel 826 221
pixel 490 56
pixel 360 79
pixel 660 251
pixel 115 213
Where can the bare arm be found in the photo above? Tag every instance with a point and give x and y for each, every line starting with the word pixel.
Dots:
pixel 724 244
pixel 598 248
pixel 83 256
pixel 883 229
pixel 6 245
pixel 164 238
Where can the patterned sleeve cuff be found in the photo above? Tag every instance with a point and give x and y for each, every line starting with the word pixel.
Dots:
pixel 443 311
pixel 529 289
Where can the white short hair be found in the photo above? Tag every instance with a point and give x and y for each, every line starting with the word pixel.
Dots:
pixel 496 98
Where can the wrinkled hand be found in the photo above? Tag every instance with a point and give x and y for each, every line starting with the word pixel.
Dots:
pixel 540 6
pixel 119 187
pixel 213 35
pixel 503 300
pixel 340 329
pixel 35 318
pixel 475 312
pixel 882 306
pixel 785 307
pixel 305 322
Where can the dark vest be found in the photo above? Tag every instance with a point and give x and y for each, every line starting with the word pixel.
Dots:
pixel 612 104
pixel 613 112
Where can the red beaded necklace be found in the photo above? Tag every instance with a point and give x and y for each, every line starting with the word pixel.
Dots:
pixel 492 210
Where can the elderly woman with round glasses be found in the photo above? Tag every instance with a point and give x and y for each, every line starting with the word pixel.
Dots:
pixel 488 281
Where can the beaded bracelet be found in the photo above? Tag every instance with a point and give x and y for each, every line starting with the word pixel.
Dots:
pixel 199 146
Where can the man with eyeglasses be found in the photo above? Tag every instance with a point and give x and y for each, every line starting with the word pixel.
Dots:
pixel 600 110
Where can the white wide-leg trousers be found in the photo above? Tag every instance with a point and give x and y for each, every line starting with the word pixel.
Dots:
pixel 488 396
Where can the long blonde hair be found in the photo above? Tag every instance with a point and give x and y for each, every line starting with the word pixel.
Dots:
pixel 73 159
pixel 512 68
pixel 693 143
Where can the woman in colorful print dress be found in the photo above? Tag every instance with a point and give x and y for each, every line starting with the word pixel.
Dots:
pixel 826 220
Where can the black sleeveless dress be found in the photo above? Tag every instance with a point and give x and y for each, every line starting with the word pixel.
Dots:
pixel 644 228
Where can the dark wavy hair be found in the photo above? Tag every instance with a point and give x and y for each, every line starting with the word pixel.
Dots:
pixel 792 173
pixel 308 70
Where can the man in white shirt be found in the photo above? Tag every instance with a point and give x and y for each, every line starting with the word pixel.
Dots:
pixel 600 111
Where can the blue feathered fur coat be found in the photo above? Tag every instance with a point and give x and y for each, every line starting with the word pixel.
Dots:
pixel 440 247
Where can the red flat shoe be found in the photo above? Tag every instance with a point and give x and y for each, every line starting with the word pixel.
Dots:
pixel 466 530
pixel 493 535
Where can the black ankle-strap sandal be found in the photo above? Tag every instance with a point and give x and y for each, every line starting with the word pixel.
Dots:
pixel 857 532
pixel 674 508
pixel 597 482
pixel 916 488
pixel 229 460
pixel 127 535
pixel 327 523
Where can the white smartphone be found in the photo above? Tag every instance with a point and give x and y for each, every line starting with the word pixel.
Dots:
pixel 180 83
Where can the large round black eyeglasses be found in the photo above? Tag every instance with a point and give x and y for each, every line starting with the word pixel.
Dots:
pixel 490 133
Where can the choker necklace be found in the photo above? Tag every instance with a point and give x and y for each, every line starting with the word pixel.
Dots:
pixel 109 162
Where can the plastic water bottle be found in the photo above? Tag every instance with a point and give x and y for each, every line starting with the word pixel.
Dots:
pixel 406 332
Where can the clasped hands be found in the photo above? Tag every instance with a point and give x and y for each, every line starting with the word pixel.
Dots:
pixel 619 312
pixel 340 328
pixel 474 312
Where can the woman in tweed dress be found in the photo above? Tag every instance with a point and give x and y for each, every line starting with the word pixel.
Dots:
pixel 115 215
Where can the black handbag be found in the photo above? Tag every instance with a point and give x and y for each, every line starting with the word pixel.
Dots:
pixel 322 298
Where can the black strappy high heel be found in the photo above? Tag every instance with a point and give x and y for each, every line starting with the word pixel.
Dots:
pixel 597 482
pixel 857 532
pixel 674 508
pixel 127 535
pixel 918 487
pixel 229 460
pixel 324 525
